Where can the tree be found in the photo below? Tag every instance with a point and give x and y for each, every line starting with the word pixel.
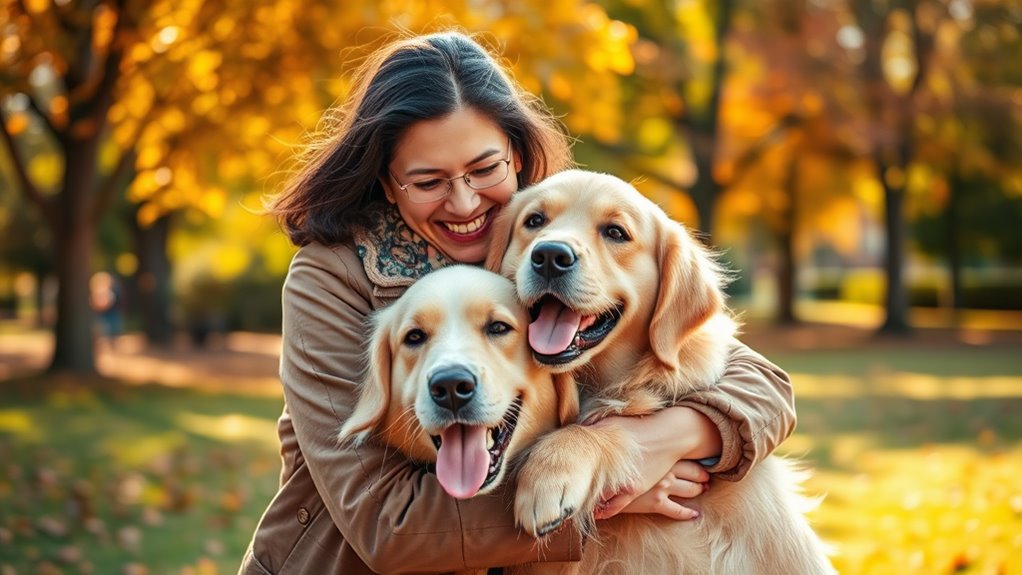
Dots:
pixel 674 99
pixel 795 93
pixel 898 47
pixel 971 148
pixel 25 243
pixel 192 98
pixel 87 67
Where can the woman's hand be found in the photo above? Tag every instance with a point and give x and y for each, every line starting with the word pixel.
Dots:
pixel 671 438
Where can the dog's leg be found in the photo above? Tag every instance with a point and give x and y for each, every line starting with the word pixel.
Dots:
pixel 566 473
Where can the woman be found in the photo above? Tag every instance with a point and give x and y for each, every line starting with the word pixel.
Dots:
pixel 434 142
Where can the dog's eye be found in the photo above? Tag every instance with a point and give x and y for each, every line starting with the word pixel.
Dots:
pixel 415 337
pixel 616 233
pixel 497 328
pixel 535 220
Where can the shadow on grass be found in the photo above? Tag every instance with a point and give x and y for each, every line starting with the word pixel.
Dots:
pixel 832 431
pixel 106 477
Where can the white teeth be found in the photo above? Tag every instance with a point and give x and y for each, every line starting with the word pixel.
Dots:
pixel 469 227
pixel 489 439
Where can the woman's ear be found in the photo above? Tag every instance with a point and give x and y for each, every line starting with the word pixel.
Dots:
pixel 388 191
pixel 689 291
pixel 374 394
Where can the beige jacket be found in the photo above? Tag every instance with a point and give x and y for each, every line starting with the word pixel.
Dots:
pixel 351 511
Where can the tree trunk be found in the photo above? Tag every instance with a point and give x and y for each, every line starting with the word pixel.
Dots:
pixel 74 346
pixel 704 193
pixel 954 247
pixel 786 241
pixel 896 297
pixel 704 128
pixel 154 280
pixel 40 297
pixel 74 349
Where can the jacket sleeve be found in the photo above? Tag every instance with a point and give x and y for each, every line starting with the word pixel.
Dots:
pixel 392 512
pixel 753 407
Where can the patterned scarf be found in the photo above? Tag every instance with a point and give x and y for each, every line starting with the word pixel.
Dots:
pixel 393 255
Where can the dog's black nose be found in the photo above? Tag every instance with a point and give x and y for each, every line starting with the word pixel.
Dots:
pixel 452 388
pixel 553 259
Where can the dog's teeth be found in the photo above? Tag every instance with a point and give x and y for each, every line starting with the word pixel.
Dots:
pixel 490 440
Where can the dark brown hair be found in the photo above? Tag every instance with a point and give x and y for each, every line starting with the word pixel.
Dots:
pixel 410 80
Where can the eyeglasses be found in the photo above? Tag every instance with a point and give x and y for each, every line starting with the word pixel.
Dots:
pixel 436 189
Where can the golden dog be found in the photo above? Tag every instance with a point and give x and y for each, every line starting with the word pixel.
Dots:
pixel 628 302
pixel 450 380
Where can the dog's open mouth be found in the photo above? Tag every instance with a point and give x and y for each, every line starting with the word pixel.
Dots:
pixel 559 334
pixel 469 457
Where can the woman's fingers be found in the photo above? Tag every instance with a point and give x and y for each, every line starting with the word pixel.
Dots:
pixel 683 488
pixel 686 479
pixel 690 471
pixel 614 505
pixel 672 509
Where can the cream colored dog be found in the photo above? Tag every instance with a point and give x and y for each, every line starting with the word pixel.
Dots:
pixel 451 380
pixel 626 300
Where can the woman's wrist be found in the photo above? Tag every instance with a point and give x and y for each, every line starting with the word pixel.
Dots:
pixel 686 430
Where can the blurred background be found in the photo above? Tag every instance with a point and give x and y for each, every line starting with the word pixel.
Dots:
pixel 857 162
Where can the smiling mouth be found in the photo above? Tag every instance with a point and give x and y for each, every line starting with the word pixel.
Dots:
pixel 467 463
pixel 467 228
pixel 558 334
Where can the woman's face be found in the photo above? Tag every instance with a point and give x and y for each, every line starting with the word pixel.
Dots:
pixel 432 151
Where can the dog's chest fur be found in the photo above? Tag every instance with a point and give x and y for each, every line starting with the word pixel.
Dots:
pixel 648 385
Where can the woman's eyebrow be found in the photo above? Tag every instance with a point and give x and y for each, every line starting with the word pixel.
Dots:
pixel 474 160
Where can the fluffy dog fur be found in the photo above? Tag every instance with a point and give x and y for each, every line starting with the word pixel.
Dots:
pixel 455 327
pixel 629 303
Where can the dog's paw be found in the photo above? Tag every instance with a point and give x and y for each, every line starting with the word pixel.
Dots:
pixel 546 497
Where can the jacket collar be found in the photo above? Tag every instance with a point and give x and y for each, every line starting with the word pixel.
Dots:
pixel 393 255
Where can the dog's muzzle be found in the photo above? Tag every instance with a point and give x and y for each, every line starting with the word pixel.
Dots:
pixel 552 260
pixel 452 388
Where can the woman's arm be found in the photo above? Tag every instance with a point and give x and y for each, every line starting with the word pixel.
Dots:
pixel 736 423
pixel 753 408
pixel 393 513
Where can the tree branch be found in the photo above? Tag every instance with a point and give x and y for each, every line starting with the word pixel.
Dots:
pixel 923 44
pixel 64 19
pixel 756 150
pixel 98 115
pixel 30 191
pixel 109 188
pixel 43 117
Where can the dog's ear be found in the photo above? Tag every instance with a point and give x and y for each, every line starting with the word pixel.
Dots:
pixel 690 291
pixel 503 227
pixel 567 398
pixel 374 394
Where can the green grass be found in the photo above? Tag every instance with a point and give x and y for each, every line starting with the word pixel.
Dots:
pixel 170 479
pixel 918 451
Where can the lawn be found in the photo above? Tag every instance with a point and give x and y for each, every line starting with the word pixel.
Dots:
pixel 135 480
pixel 919 456
pixel 916 448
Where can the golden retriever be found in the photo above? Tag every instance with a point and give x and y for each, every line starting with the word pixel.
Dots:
pixel 628 302
pixel 450 380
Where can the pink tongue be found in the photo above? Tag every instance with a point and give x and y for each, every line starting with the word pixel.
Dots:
pixel 554 329
pixel 463 461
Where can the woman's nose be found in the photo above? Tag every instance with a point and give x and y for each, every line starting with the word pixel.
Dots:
pixel 463 200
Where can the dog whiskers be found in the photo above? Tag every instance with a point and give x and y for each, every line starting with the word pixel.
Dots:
pixel 403 426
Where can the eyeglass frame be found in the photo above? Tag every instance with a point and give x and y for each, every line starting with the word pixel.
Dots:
pixel 450 181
